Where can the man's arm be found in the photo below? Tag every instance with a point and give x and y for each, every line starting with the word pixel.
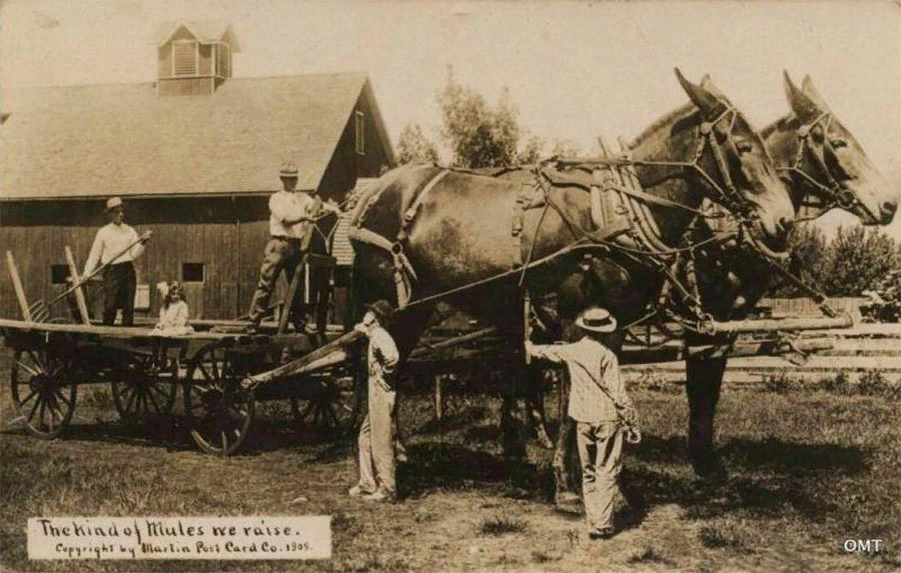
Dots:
pixel 387 353
pixel 552 352
pixel 138 249
pixel 613 383
pixel 94 256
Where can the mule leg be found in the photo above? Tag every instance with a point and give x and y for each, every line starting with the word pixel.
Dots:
pixel 704 378
pixel 534 399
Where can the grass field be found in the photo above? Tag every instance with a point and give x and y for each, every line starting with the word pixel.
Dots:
pixel 808 471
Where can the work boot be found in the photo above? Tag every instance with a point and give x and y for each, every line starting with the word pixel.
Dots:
pixel 381 495
pixel 358 491
pixel 600 533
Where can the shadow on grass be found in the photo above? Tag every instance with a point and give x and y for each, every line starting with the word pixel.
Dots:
pixel 456 421
pixel 772 455
pixel 173 434
pixel 438 466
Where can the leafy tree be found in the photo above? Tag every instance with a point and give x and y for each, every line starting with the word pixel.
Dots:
pixel 566 148
pixel 531 150
pixel 807 248
pixel 857 259
pixel 478 134
pixel 414 147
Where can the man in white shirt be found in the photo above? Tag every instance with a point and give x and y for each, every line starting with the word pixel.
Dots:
pixel 111 247
pixel 376 439
pixel 602 410
pixel 291 215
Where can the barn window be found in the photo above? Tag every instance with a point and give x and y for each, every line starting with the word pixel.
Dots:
pixel 358 128
pixel 192 272
pixel 184 58
pixel 59 274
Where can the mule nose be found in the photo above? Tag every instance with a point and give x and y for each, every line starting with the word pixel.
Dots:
pixel 784 225
pixel 888 210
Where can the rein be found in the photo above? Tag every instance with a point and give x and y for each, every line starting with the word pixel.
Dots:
pixel 833 193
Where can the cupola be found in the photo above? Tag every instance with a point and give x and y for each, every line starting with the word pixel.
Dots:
pixel 194 58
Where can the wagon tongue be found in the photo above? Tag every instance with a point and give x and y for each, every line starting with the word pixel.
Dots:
pixel 326 355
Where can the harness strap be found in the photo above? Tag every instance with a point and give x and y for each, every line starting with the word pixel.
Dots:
pixel 404 274
pixel 413 209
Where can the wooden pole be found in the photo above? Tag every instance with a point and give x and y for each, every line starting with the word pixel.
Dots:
pixel 79 294
pixel 288 304
pixel 777 324
pixel 439 400
pixel 17 284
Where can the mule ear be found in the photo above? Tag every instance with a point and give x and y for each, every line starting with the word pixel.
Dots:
pixel 804 107
pixel 706 101
pixel 812 93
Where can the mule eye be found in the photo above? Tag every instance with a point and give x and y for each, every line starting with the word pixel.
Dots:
pixel 838 143
pixel 744 147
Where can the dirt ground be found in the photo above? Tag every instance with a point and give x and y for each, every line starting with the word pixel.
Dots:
pixel 807 472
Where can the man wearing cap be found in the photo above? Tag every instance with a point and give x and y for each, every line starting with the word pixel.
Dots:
pixel 119 279
pixel 376 440
pixel 290 216
pixel 602 410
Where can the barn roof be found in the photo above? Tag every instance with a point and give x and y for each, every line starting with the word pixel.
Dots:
pixel 100 140
pixel 204 30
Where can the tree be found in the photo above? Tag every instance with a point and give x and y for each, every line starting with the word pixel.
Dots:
pixel 480 135
pixel 566 148
pixel 857 259
pixel 414 147
pixel 806 247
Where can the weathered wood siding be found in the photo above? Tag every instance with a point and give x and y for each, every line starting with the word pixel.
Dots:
pixel 226 235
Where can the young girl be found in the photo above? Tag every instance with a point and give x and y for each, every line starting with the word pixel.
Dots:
pixel 174 312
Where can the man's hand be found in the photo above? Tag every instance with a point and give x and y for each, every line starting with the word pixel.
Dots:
pixel 145 237
pixel 633 435
pixel 360 327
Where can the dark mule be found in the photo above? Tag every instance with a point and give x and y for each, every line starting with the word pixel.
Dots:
pixel 458 226
pixel 818 157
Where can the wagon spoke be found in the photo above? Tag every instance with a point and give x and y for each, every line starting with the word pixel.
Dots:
pixel 27 367
pixel 41 414
pixel 215 367
pixel 38 363
pixel 34 408
pixel 203 371
pixel 224 440
pixel 29 397
pixel 131 398
pixel 156 406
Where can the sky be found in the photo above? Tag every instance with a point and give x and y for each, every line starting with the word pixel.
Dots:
pixel 576 70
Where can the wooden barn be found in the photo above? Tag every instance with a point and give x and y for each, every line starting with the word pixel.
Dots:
pixel 195 156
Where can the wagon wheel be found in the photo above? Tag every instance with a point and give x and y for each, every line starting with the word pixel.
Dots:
pixel 218 409
pixel 144 387
pixel 43 390
pixel 331 406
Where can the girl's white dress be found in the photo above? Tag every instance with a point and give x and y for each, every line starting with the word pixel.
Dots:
pixel 174 319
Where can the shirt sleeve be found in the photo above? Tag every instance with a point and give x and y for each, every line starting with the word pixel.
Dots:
pixel 612 380
pixel 181 315
pixel 285 210
pixel 552 352
pixel 386 352
pixel 94 256
pixel 138 249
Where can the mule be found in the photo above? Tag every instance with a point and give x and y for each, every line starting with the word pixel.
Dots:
pixel 817 156
pixel 451 231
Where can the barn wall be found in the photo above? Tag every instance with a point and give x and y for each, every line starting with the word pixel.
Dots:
pixel 225 235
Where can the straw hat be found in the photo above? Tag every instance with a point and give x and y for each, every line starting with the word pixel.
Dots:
pixel 289 169
pixel 382 310
pixel 114 203
pixel 596 319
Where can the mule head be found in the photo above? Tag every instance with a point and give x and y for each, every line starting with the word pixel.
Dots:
pixel 825 159
pixel 736 158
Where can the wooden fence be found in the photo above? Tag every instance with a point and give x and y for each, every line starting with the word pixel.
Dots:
pixel 863 349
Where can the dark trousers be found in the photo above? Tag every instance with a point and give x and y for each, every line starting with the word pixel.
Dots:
pixel 119 284
pixel 280 255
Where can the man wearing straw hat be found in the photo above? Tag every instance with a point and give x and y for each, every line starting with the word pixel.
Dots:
pixel 290 217
pixel 602 410
pixel 376 439
pixel 119 278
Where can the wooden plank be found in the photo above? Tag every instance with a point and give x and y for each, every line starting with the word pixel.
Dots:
pixel 775 363
pixel 79 294
pixel 17 285
pixel 290 296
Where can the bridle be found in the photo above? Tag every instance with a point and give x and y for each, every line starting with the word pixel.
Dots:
pixel 832 193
